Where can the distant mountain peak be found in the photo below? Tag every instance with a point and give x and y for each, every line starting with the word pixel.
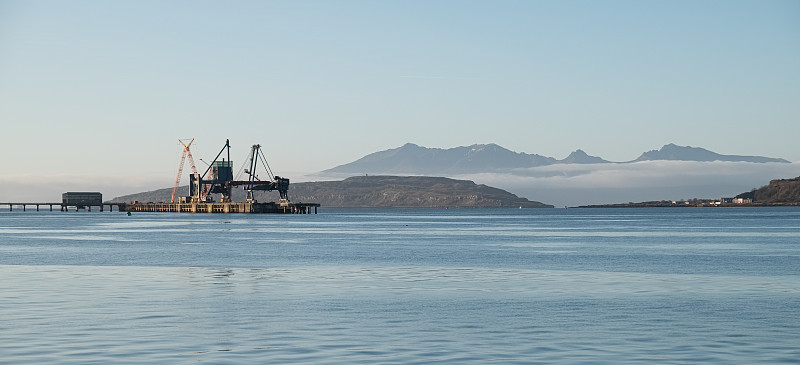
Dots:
pixel 487 148
pixel 581 157
pixel 413 159
pixel 674 152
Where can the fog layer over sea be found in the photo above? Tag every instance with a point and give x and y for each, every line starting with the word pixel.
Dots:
pixel 524 286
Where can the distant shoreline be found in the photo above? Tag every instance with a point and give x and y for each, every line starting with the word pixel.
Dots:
pixel 705 204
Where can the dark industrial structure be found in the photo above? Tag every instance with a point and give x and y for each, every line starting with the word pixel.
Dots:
pixel 81 200
pixel 219 180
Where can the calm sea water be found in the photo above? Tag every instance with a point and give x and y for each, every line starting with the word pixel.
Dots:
pixel 713 285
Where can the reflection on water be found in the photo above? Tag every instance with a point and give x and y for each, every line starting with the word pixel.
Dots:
pixel 402 287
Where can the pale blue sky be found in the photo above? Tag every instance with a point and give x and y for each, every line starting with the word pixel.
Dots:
pixel 101 90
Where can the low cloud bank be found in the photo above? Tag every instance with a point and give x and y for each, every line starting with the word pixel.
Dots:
pixel 560 185
pixel 647 180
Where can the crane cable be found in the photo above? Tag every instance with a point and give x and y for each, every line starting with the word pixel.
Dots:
pixel 241 169
pixel 264 161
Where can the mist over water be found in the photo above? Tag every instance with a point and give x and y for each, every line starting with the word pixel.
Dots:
pixel 577 184
pixel 403 286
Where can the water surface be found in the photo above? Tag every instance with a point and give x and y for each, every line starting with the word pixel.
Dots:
pixel 716 285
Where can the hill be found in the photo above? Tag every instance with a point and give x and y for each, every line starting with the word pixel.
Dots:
pixel 379 192
pixel 778 192
pixel 408 192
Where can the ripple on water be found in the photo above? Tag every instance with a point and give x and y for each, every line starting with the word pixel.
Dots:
pixel 409 288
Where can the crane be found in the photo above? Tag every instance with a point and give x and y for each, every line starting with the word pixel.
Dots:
pixel 254 183
pixel 186 153
pixel 219 179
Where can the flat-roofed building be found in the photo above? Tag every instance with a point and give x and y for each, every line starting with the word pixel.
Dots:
pixel 82 199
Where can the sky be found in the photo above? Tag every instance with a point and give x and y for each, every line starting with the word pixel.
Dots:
pixel 94 95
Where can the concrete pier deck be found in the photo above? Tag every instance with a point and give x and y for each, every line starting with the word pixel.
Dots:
pixel 61 206
pixel 230 207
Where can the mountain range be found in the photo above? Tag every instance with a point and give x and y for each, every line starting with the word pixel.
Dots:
pixel 482 158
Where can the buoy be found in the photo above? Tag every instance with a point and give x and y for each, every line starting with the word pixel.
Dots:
pixel 129 214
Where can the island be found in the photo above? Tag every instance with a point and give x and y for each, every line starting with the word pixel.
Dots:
pixel 381 191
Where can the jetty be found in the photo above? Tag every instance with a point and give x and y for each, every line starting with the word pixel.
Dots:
pixel 64 208
pixel 211 191
pixel 229 207
pixel 76 200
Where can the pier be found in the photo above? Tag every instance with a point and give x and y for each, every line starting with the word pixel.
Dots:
pixel 218 207
pixel 217 180
pixel 232 207
pixel 77 200
pixel 63 207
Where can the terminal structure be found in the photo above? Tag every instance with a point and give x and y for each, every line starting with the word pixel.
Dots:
pixel 77 200
pixel 81 200
pixel 218 179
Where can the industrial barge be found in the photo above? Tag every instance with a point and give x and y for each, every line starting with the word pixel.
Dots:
pixel 219 180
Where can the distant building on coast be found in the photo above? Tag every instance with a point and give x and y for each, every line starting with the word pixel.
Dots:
pixel 743 198
pixel 81 199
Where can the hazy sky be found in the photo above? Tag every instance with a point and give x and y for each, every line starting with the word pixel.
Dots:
pixel 96 93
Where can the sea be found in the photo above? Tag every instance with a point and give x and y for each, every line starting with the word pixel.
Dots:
pixel 434 286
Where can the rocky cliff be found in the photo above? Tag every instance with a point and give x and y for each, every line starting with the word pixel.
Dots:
pixel 779 192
